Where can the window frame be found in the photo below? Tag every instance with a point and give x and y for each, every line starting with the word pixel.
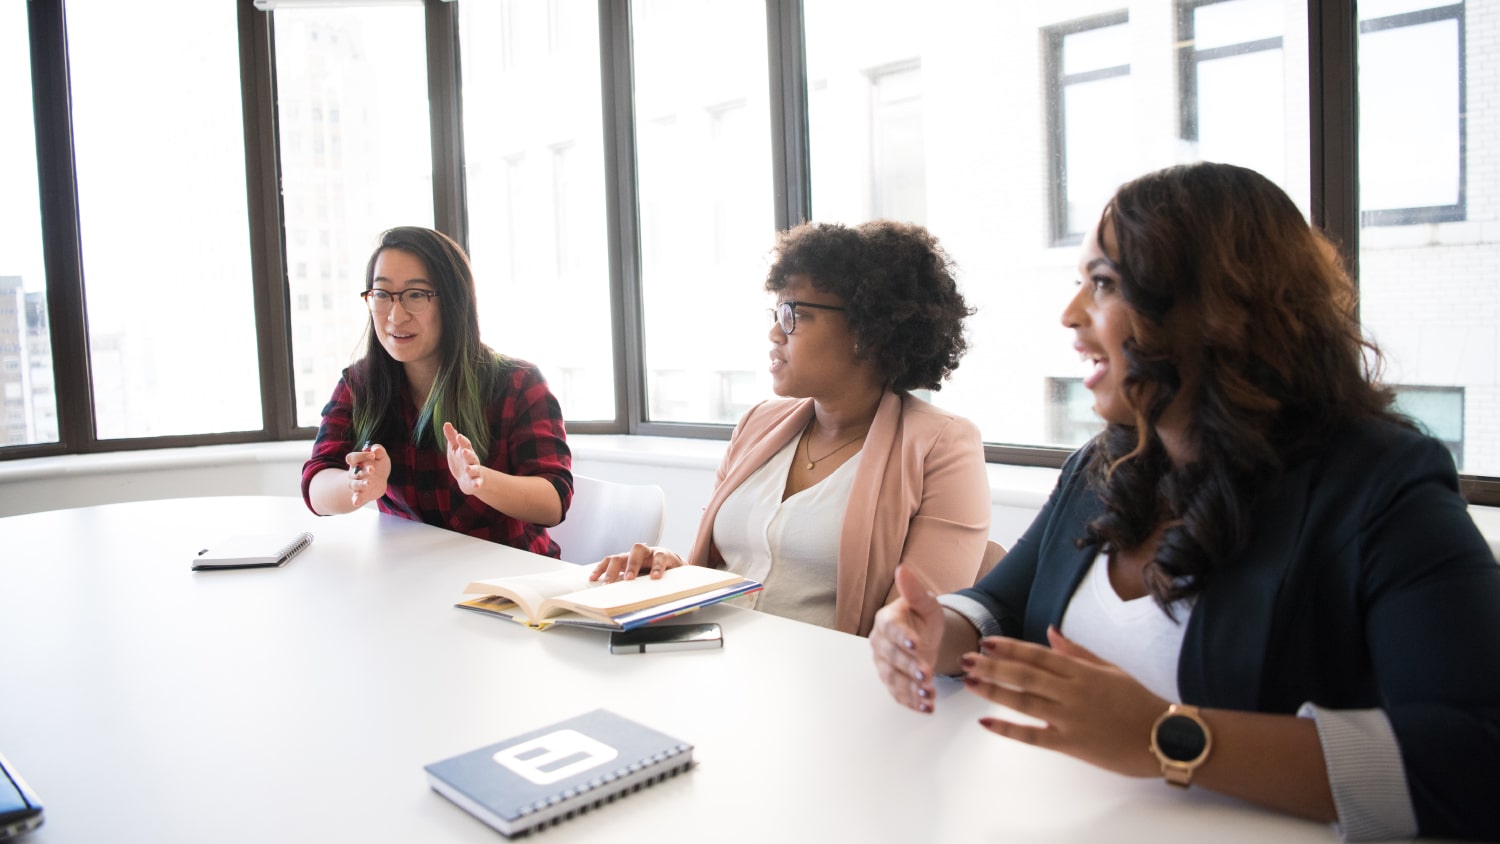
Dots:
pixel 1459 393
pixel 1057 83
pixel 1458 211
pixel 1332 37
pixel 1189 57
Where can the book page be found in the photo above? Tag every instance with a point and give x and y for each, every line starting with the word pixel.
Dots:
pixel 530 591
pixel 626 595
pixel 506 608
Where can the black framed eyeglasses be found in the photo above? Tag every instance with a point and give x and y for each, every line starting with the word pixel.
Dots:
pixel 413 301
pixel 785 313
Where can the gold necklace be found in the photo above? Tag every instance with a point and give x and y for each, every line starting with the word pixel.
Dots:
pixel 807 449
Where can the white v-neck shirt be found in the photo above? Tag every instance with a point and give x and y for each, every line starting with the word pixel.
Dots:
pixel 1135 634
pixel 791 546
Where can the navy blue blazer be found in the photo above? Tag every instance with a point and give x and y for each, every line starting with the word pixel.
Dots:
pixel 1365 584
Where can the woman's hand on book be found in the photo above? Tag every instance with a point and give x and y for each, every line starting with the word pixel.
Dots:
pixel 369 469
pixel 640 558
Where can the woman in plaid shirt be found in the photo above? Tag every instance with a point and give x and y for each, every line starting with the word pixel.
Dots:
pixel 433 425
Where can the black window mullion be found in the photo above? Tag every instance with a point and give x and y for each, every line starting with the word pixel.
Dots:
pixel 622 214
pixel 444 86
pixel 263 198
pixel 1333 105
pixel 790 136
pixel 62 255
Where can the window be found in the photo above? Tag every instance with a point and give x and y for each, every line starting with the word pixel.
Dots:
pixel 1070 412
pixel 1234 103
pixel 536 194
pixel 1090 89
pixel 1439 411
pixel 1430 209
pixel 698 160
pixel 898 178
pixel 1001 126
pixel 366 65
pixel 1411 112
pixel 1011 203
pixel 24 336
pixel 739 228
pixel 159 142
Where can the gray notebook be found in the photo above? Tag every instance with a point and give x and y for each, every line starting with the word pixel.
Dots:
pixel 550 774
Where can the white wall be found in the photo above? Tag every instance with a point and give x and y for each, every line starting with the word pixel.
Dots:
pixel 683 468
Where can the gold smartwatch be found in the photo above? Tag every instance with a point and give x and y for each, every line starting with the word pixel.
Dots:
pixel 1181 741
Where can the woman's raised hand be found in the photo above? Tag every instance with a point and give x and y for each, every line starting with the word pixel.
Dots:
pixel 462 461
pixel 1090 709
pixel 905 641
pixel 369 470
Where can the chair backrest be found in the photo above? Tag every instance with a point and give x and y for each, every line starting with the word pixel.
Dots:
pixel 607 518
pixel 992 554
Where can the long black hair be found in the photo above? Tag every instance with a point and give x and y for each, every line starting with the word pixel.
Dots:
pixel 466 371
pixel 1229 284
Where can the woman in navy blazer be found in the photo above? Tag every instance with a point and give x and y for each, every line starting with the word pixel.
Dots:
pixel 1318 596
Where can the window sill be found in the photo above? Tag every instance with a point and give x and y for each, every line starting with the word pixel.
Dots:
pixel 1012 488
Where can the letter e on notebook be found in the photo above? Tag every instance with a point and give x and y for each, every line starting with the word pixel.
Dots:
pixel 553 773
pixel 539 759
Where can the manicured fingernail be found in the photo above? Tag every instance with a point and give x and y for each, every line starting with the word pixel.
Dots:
pixel 923 693
pixel 921 676
pixel 966 661
pixel 924 707
pixel 906 643
pixel 970 681
pixel 987 645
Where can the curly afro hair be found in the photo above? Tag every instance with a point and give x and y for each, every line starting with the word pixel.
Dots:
pixel 897 285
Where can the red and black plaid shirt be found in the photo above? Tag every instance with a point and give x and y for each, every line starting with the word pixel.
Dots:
pixel 526 438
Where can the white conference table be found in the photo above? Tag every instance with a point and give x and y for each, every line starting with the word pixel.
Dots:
pixel 146 702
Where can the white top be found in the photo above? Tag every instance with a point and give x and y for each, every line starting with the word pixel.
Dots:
pixel 1135 634
pixel 791 546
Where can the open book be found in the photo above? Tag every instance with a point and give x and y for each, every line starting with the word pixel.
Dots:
pixel 567 596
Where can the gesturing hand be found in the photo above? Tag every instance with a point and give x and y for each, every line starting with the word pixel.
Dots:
pixel 905 641
pixel 369 470
pixel 462 461
pixel 641 557
pixel 1092 710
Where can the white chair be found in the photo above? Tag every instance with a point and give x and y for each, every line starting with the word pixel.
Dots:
pixel 993 552
pixel 607 518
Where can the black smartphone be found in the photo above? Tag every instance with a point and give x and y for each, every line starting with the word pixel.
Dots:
pixel 20 810
pixel 665 637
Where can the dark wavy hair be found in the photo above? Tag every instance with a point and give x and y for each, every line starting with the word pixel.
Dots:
pixel 1242 306
pixel 900 298
pixel 467 372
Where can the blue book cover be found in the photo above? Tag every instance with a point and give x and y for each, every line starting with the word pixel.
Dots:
pixel 550 774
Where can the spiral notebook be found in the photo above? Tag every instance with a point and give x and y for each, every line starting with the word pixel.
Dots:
pixel 550 774
pixel 250 552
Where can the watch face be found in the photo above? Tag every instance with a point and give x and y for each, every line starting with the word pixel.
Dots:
pixel 1180 738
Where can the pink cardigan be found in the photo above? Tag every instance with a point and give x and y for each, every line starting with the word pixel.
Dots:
pixel 921 497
